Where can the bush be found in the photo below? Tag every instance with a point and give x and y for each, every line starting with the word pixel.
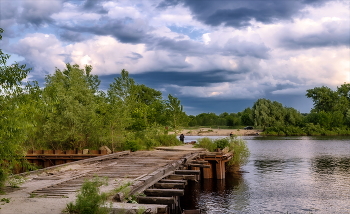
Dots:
pixel 167 140
pixel 206 143
pixel 221 143
pixel 89 200
pixel 132 145
pixel 237 146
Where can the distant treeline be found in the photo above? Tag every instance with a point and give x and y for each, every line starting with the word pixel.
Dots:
pixel 330 115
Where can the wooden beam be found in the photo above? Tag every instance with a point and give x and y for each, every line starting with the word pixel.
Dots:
pixel 164 192
pixel 169 185
pixel 182 177
pixel 199 165
pixel 173 181
pixel 156 200
pixel 187 172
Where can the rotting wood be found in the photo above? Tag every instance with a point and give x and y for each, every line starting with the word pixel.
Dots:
pixel 164 192
pixel 156 200
pixel 199 165
pixel 173 181
pixel 169 185
pixel 152 178
pixel 187 172
pixel 182 177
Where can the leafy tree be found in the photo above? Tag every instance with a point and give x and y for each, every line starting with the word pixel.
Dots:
pixel 69 96
pixel 12 126
pixel 175 112
pixel 323 97
pixel 247 117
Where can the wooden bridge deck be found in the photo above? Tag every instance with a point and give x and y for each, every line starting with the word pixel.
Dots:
pixel 49 190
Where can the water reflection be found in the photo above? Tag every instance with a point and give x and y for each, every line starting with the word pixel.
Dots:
pixel 276 165
pixel 217 196
pixel 330 165
pixel 285 175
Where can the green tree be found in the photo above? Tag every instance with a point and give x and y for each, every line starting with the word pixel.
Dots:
pixel 12 125
pixel 177 116
pixel 70 99
pixel 323 97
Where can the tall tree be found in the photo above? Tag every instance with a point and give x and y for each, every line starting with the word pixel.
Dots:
pixel 12 126
pixel 175 111
pixel 71 108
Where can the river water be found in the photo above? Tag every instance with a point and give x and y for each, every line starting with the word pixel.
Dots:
pixel 284 175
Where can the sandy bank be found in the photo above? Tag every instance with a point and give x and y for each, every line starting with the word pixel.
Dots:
pixel 217 132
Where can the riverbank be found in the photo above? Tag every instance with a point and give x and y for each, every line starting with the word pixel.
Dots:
pixel 217 132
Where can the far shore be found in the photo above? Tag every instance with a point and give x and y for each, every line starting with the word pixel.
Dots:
pixel 217 132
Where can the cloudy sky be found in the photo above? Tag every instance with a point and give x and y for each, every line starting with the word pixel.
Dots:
pixel 214 55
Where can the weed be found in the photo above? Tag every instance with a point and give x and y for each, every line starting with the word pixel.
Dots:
pixel 32 195
pixel 89 199
pixel 7 200
pixel 15 181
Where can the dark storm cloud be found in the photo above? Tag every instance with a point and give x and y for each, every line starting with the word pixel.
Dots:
pixel 38 13
pixel 135 56
pixel 238 13
pixel 185 46
pixel 125 30
pixel 94 6
pixel 70 36
pixel 158 79
pixel 336 37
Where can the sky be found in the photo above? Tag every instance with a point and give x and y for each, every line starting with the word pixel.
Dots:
pixel 214 55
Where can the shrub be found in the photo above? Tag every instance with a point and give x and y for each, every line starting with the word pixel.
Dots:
pixel 206 143
pixel 167 140
pixel 89 200
pixel 221 143
pixel 132 145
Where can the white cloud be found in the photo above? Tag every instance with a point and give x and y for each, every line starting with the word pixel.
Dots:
pixel 43 51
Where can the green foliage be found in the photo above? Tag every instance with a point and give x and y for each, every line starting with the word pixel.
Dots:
pixel 240 151
pixel 206 143
pixel 6 200
pixel 221 143
pixel 235 145
pixel 132 145
pixel 89 199
pixel 13 117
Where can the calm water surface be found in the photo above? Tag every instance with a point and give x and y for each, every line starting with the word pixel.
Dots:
pixel 283 175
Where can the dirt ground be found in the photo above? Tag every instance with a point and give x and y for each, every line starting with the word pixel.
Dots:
pixel 217 132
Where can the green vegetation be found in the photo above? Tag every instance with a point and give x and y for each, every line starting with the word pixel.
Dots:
pixel 330 115
pixel 89 200
pixel 232 144
pixel 71 112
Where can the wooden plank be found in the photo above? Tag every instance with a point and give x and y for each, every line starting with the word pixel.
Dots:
pixel 164 192
pixel 156 200
pixel 199 165
pixel 187 172
pixel 169 185
pixel 182 177
pixel 173 181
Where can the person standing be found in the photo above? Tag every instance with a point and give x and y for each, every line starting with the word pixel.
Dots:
pixel 182 138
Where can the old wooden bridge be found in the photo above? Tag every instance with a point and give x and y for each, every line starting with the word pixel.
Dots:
pixel 156 179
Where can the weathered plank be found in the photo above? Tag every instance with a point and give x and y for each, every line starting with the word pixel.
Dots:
pixel 156 200
pixel 169 185
pixel 187 172
pixel 164 192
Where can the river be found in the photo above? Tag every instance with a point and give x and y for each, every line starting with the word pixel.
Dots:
pixel 284 175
